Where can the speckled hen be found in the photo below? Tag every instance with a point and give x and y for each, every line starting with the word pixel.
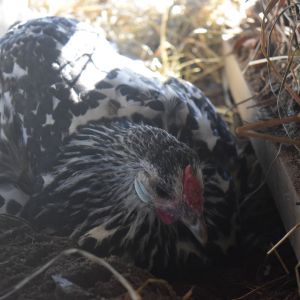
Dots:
pixel 96 147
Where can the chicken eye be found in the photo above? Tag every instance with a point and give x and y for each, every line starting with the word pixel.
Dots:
pixel 161 192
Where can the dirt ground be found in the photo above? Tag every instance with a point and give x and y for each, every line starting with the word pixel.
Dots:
pixel 23 251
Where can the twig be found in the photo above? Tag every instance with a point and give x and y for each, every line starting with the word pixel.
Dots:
pixel 260 288
pixel 188 294
pixel 291 231
pixel 247 130
pixel 265 42
pixel 163 40
pixel 264 60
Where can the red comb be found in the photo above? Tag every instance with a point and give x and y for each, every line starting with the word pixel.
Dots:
pixel 192 190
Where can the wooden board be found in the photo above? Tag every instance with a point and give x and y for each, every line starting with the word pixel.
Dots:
pixel 283 178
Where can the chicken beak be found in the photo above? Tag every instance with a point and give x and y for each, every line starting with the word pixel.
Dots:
pixel 195 222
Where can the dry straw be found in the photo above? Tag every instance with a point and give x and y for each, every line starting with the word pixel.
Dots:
pixel 279 44
pixel 177 38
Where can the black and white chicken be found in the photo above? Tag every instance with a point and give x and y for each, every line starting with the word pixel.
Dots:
pixel 96 147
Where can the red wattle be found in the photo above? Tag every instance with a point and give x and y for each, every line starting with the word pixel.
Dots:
pixel 165 217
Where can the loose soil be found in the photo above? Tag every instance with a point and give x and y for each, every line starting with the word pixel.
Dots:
pixel 23 251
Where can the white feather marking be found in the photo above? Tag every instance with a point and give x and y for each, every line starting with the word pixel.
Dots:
pixel 99 233
pixel 74 96
pixel 24 135
pixel 47 178
pixel 55 102
pixel 205 132
pixel 9 191
pixel 49 119
pixel 16 73
pixel 6 103
pixel 91 115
